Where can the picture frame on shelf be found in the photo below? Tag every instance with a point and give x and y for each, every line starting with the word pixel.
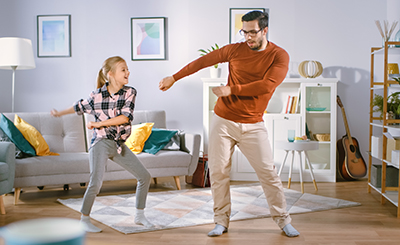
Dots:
pixel 148 38
pixel 235 22
pixel 53 36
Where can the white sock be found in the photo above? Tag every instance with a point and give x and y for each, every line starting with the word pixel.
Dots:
pixel 218 230
pixel 87 225
pixel 140 219
pixel 290 231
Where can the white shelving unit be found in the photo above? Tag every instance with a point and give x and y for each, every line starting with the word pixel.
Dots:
pixel 380 57
pixel 320 91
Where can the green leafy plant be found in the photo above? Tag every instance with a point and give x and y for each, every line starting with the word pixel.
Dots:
pixel 204 52
pixel 393 102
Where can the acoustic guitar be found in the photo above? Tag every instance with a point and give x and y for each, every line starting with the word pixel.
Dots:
pixel 351 164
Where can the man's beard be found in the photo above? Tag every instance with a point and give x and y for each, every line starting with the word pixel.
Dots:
pixel 257 45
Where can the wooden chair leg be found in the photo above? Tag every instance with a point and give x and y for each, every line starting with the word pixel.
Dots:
pixel 311 170
pixel 177 182
pixel 301 172
pixel 155 180
pixel 17 192
pixel 283 164
pixel 290 171
pixel 2 208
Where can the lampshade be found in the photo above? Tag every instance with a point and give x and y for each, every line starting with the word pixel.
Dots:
pixel 16 52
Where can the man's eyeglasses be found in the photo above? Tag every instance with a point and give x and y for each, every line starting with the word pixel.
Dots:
pixel 251 33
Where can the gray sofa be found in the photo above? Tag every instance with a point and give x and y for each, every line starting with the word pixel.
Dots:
pixel 69 137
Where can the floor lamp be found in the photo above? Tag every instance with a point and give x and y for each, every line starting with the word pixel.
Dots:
pixel 16 54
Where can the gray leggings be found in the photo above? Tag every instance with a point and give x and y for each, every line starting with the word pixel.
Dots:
pixel 99 154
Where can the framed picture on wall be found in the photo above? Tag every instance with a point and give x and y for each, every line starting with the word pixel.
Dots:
pixel 148 38
pixel 235 22
pixel 54 35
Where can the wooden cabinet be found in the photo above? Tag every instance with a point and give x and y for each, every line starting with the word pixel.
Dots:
pixel 318 95
pixel 380 166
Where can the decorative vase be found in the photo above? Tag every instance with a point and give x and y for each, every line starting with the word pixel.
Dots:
pixel 310 69
pixel 397 38
pixel 393 69
pixel 215 72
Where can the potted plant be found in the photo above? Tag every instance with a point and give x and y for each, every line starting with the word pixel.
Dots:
pixel 215 72
pixel 392 106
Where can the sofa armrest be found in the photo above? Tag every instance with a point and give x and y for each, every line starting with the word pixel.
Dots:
pixel 7 152
pixel 192 142
pixel 7 156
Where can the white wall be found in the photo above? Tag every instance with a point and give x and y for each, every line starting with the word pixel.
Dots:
pixel 337 33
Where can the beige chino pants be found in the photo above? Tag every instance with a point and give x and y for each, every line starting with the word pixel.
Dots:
pixel 252 140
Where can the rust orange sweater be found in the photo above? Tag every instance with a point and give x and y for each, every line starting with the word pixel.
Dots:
pixel 253 77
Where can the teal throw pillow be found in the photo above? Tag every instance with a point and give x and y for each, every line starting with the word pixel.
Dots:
pixel 16 136
pixel 18 153
pixel 158 139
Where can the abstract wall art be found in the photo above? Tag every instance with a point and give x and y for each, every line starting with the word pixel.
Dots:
pixel 148 38
pixel 235 22
pixel 54 35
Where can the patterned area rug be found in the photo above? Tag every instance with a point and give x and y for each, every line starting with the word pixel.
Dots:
pixel 191 207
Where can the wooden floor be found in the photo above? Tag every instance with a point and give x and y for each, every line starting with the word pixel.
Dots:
pixel 370 223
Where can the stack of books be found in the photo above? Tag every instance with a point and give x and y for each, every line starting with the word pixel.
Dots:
pixel 292 104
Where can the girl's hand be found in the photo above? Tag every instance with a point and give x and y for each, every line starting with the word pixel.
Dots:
pixel 55 113
pixel 92 125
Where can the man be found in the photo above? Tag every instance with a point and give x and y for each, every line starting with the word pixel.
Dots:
pixel 256 68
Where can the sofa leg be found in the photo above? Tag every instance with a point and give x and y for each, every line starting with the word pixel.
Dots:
pixel 155 180
pixel 2 208
pixel 17 192
pixel 177 182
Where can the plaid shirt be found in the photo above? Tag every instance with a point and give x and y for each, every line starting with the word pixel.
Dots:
pixel 103 106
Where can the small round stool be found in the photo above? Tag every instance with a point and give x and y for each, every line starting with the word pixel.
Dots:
pixel 299 147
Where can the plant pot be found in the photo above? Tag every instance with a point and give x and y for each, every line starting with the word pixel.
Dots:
pixel 215 72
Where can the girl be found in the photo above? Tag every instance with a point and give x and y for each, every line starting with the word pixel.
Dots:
pixel 112 105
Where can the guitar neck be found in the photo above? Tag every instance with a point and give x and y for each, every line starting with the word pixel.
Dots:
pixel 346 125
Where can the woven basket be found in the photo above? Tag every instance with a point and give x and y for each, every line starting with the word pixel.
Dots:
pixel 322 137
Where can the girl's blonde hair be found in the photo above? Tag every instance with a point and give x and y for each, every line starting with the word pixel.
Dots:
pixel 108 65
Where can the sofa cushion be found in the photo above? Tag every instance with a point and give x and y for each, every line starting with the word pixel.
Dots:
pixel 33 136
pixel 158 139
pixel 16 136
pixel 157 117
pixel 139 134
pixel 62 134
pixel 71 163
pixel 163 159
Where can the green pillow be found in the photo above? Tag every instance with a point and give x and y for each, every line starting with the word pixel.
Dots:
pixel 18 153
pixel 16 136
pixel 158 139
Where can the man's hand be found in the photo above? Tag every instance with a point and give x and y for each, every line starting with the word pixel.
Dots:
pixel 222 91
pixel 166 83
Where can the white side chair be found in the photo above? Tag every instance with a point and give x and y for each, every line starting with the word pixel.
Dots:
pixel 298 147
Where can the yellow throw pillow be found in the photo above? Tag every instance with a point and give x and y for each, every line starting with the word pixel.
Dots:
pixel 139 134
pixel 33 136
